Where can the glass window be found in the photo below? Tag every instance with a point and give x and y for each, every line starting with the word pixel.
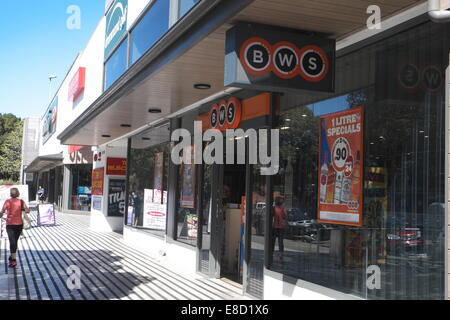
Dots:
pixel 185 6
pixel 147 180
pixel 81 177
pixel 116 64
pixel 150 29
pixel 402 237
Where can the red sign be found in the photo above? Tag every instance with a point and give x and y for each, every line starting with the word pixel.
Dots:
pixel 116 167
pixel 98 175
pixel 73 149
pixel 341 168
pixel 77 84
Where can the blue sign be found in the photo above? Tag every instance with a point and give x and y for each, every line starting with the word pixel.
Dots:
pixel 116 25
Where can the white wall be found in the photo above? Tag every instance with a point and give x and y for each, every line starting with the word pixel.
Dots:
pixel 172 255
pixel 277 287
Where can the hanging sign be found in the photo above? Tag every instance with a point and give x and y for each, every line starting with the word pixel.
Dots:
pixel 272 59
pixel 341 168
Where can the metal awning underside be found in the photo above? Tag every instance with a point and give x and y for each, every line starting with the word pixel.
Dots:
pixel 193 52
pixel 44 163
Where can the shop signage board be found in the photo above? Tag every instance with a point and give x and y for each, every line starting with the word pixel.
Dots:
pixel 77 84
pixel 98 176
pixel 341 181
pixel 46 215
pixel 116 25
pixel 272 59
pixel 116 166
pixel 116 198
pixel 226 114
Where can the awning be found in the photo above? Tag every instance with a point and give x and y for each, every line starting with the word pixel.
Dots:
pixel 44 163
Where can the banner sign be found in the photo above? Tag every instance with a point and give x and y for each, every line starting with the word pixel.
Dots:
pixel 116 166
pixel 154 213
pixel 187 196
pixel 116 198
pixel 98 176
pixel 271 59
pixel 76 85
pixel 46 215
pixel 116 25
pixel 341 168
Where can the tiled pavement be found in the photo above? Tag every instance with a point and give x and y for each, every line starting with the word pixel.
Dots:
pixel 110 269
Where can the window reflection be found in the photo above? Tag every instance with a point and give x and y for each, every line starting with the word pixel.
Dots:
pixel 403 219
pixel 147 180
pixel 150 29
pixel 116 65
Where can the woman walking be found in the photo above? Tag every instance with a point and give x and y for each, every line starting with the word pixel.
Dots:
pixel 14 222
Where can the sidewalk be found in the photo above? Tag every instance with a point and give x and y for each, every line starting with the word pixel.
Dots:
pixel 110 269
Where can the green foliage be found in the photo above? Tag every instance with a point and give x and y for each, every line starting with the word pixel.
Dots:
pixel 11 129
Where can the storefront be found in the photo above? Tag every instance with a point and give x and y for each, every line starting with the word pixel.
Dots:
pixel 221 210
pixel 361 138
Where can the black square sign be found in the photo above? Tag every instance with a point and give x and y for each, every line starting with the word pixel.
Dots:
pixel 275 59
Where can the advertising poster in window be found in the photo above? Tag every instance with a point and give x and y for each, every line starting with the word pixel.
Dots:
pixel 154 213
pixel 341 168
pixel 187 197
pixel 98 176
pixel 116 198
pixel 192 226
pixel 158 177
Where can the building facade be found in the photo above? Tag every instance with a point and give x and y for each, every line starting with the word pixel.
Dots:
pixel 361 117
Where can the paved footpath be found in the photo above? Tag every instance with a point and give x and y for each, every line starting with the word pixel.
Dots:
pixel 110 269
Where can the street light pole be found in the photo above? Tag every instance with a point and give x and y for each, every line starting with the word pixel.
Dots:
pixel 50 78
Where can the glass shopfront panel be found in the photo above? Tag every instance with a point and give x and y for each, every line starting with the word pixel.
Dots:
pixel 398 252
pixel 80 187
pixel 147 180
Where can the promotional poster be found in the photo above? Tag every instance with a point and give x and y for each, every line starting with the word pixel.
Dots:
pixel 154 213
pixel 341 168
pixel 46 215
pixel 116 198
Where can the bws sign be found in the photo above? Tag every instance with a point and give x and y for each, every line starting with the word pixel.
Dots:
pixel 268 58
pixel 226 114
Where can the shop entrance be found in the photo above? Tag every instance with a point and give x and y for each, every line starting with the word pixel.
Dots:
pixel 231 259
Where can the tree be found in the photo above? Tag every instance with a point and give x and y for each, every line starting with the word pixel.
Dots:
pixel 11 129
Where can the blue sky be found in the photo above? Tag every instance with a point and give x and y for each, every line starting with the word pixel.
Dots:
pixel 37 43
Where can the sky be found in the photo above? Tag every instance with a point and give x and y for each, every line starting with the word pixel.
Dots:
pixel 36 43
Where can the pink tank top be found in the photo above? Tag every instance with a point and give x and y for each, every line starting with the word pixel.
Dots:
pixel 13 208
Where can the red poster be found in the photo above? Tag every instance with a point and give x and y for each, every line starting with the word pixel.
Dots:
pixel 340 198
pixel 116 167
pixel 158 177
pixel 98 176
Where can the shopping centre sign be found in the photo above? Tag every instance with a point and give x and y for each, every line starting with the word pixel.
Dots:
pixel 273 59
pixel 116 25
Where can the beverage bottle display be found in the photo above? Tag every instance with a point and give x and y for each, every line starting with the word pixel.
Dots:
pixel 330 185
pixel 324 179
pixel 338 187
pixel 346 189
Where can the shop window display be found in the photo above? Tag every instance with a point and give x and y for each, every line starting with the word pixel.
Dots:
pixel 402 233
pixel 147 180
pixel 81 187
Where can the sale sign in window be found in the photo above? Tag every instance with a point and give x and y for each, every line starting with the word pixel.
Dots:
pixel 341 168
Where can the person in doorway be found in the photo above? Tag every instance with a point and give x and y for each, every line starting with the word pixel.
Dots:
pixel 41 194
pixel 14 222
pixel 280 217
